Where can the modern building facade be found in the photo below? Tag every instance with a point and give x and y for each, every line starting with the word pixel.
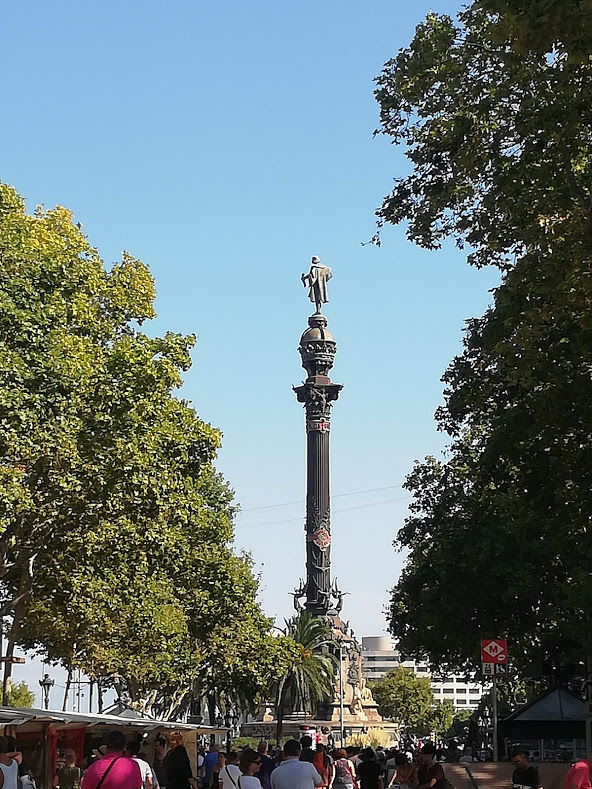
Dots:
pixel 380 655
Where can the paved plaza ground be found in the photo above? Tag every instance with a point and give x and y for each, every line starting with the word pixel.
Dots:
pixel 497 776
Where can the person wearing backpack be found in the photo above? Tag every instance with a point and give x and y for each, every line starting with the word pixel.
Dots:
pixel 230 774
pixel 345 772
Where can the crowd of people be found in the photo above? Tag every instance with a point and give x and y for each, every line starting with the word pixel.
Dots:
pixel 125 765
pixel 298 766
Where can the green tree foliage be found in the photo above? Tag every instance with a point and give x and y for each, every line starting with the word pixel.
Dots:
pixel 308 677
pixel 406 699
pixel 20 695
pixel 115 528
pixel 544 25
pixel 459 727
pixel 499 142
pixel 441 717
pixel 498 132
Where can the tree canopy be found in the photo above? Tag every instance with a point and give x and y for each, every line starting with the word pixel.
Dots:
pixel 497 123
pixel 408 699
pixel 20 695
pixel 499 141
pixel 115 527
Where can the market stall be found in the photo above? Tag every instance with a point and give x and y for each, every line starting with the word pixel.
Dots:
pixel 44 735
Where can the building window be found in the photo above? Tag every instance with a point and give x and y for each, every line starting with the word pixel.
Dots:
pixel 448 690
pixel 461 701
pixel 474 690
pixel 461 690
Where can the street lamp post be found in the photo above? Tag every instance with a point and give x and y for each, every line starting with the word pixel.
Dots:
pixel 340 693
pixel 47 684
pixel 219 722
pixel 228 718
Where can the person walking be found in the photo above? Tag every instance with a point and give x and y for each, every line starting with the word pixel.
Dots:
pixel 578 775
pixel 113 770
pixel 216 770
pixel 268 765
pixel 370 771
pixel 9 764
pixel 160 753
pixel 143 757
pixel 323 764
pixel 69 774
pixel 526 775
pixel 345 772
pixel 467 757
pixel 430 774
pixel 209 762
pixel 177 765
pixel 250 762
pixel 231 773
pixel 133 749
pixel 292 773
pixel 405 773
pixel 306 753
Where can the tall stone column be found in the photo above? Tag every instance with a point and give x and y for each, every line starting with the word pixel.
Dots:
pixel 317 349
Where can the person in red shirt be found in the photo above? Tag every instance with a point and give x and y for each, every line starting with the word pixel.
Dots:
pixel 114 770
pixel 578 775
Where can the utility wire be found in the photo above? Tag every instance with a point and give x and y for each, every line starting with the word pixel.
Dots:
pixel 337 496
pixel 345 509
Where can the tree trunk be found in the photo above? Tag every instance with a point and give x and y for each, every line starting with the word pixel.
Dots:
pixel 212 714
pixel 279 725
pixel 100 695
pixel 279 712
pixel 24 586
pixel 67 688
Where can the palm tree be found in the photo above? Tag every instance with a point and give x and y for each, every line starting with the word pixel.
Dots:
pixel 309 679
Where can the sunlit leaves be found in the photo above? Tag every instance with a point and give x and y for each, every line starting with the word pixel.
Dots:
pixel 115 528
pixel 494 111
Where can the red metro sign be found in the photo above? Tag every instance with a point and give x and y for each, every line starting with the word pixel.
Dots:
pixel 493 650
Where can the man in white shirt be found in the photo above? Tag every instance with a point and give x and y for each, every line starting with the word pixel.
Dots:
pixel 230 773
pixel 133 749
pixel 292 773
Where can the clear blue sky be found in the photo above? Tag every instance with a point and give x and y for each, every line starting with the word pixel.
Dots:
pixel 224 144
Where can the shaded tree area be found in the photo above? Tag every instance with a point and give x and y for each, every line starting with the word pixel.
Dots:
pixel 496 118
pixel 115 527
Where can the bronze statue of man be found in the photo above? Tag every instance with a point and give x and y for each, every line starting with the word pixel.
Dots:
pixel 316 282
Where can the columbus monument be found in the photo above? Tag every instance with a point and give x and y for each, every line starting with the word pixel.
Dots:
pixel 351 710
pixel 317 349
pixel 352 706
